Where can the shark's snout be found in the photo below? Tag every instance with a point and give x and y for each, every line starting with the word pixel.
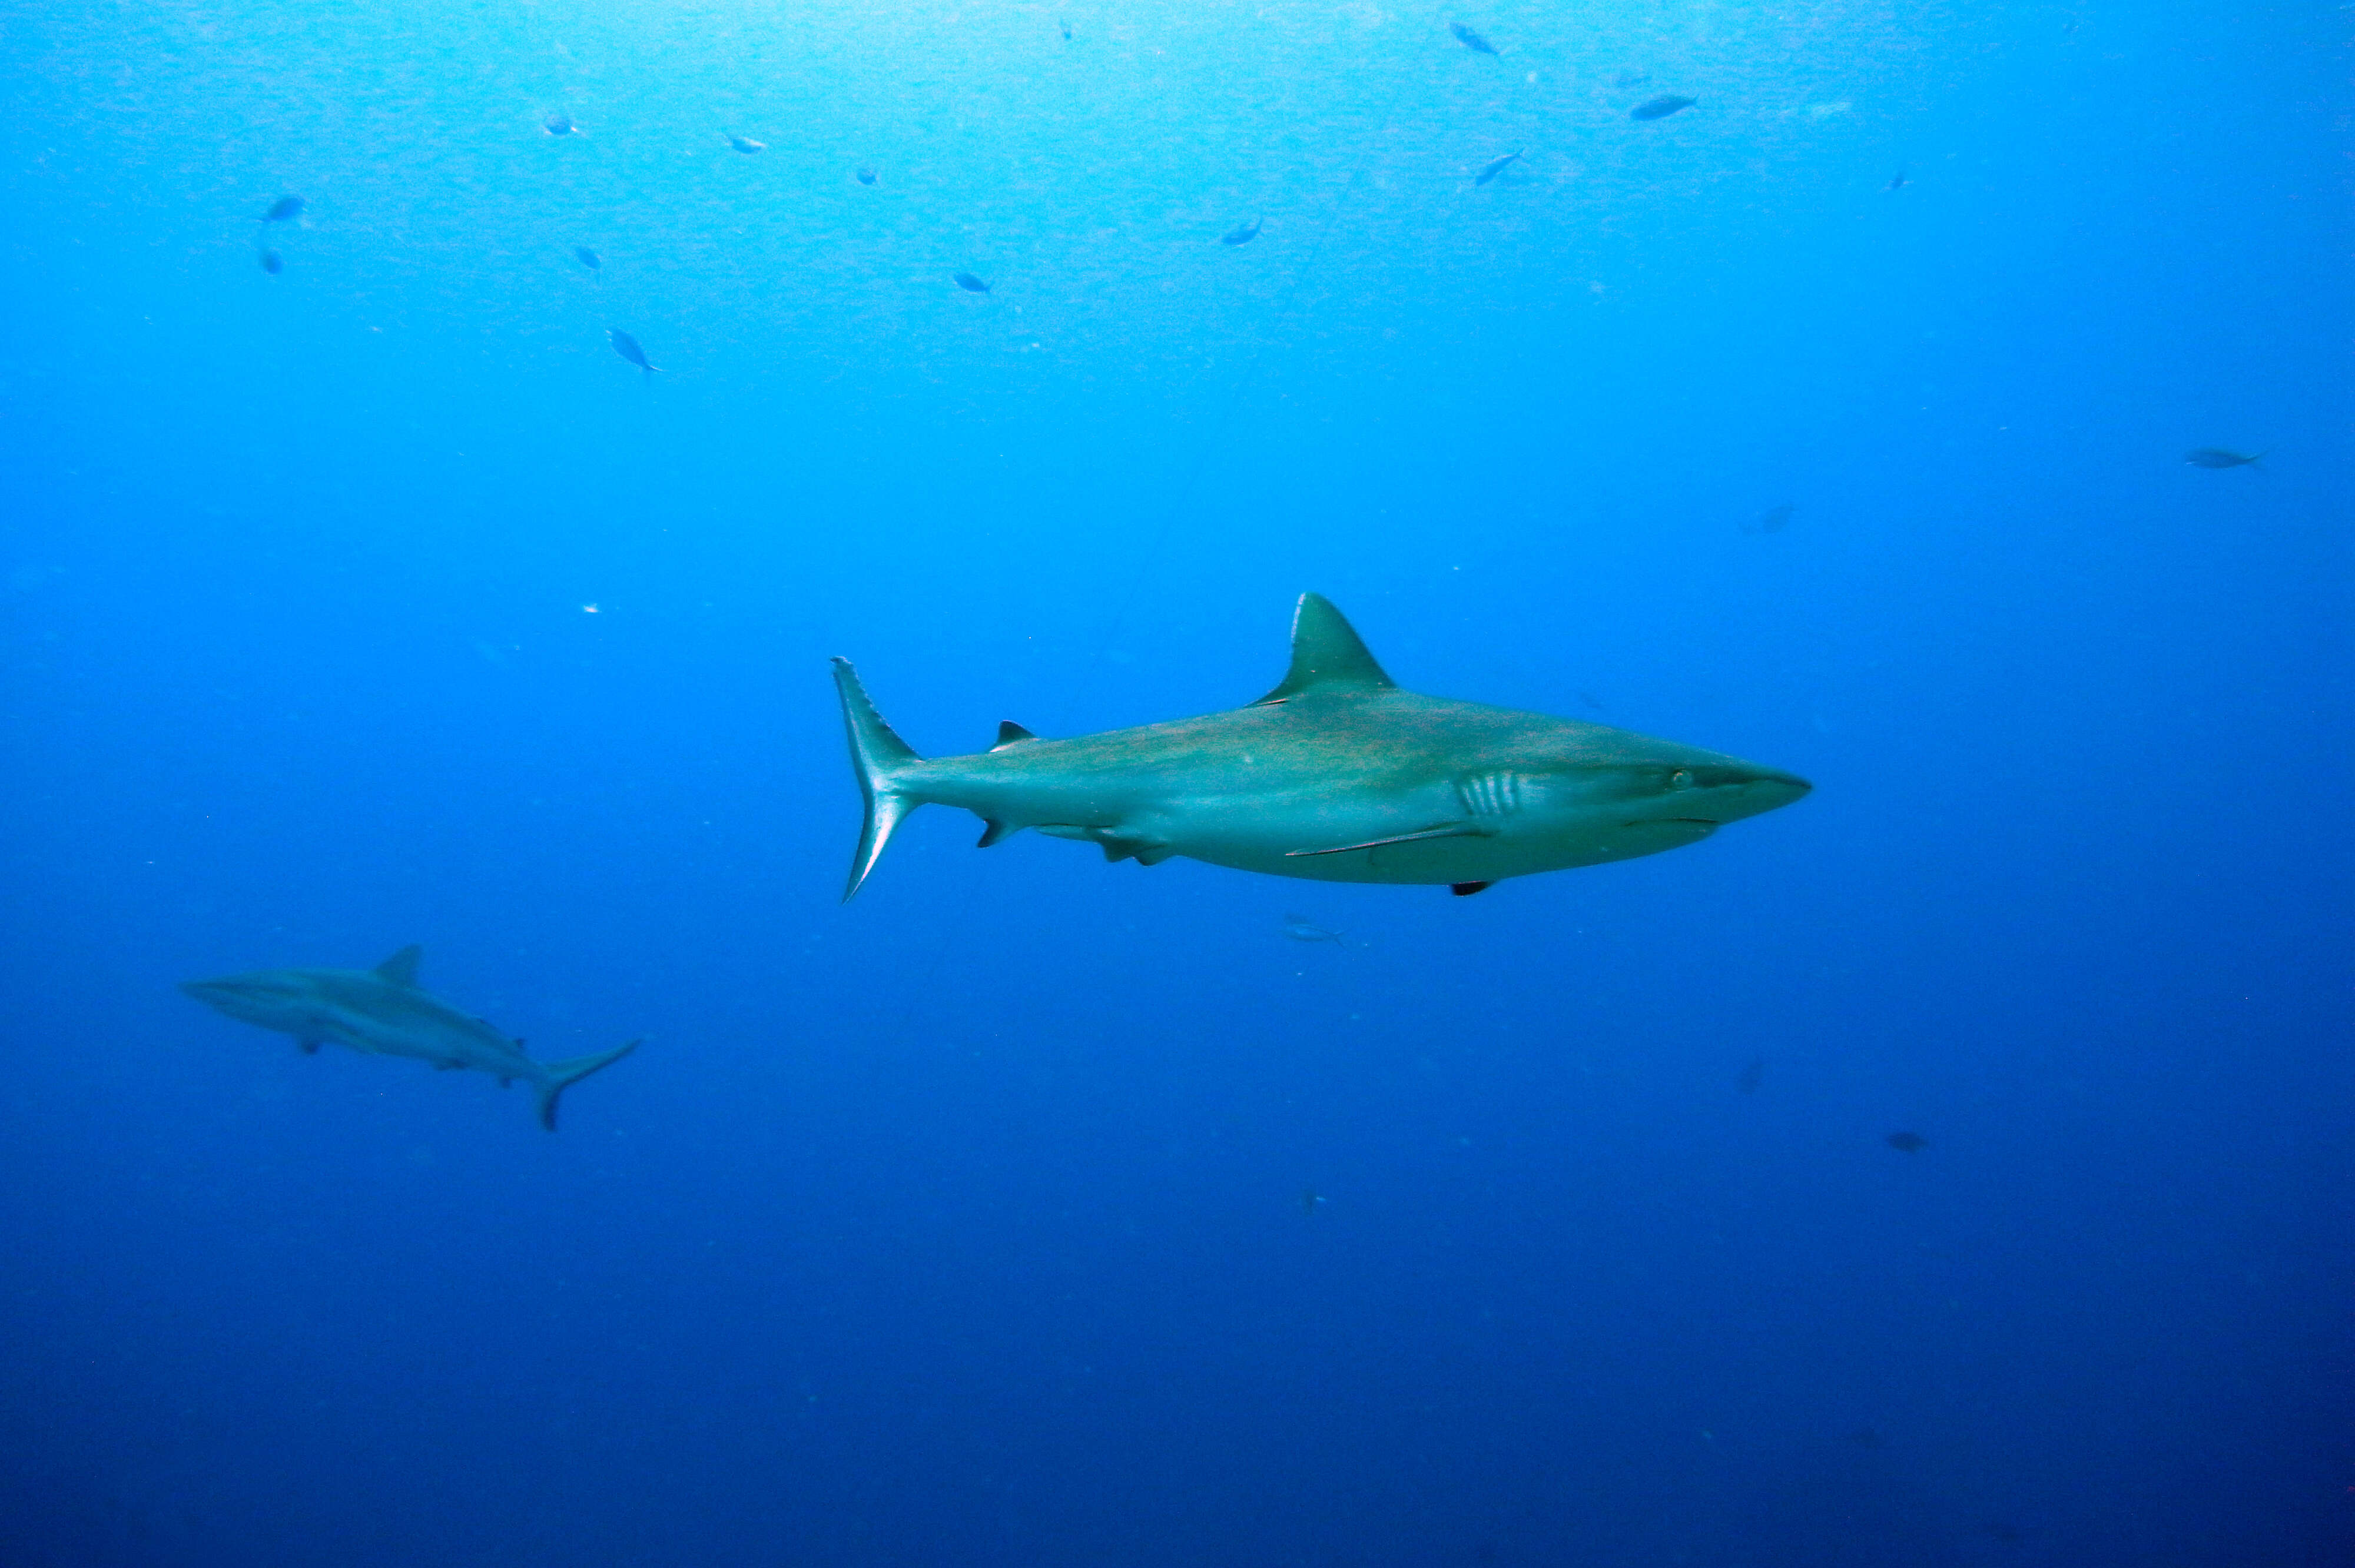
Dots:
pixel 1765 790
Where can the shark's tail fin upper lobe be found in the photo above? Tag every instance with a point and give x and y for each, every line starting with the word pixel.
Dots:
pixel 876 755
pixel 561 1076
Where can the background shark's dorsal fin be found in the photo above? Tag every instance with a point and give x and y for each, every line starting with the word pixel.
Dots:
pixel 401 967
pixel 1327 655
pixel 1010 734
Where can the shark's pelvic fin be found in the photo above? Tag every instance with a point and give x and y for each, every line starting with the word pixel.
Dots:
pixel 561 1076
pixel 1444 830
pixel 1326 654
pixel 992 830
pixel 1010 734
pixel 876 754
pixel 401 967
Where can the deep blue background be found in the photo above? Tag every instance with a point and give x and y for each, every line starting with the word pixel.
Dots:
pixel 965 1225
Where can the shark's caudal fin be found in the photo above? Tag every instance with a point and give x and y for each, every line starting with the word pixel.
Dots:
pixel 561 1076
pixel 1327 655
pixel 876 754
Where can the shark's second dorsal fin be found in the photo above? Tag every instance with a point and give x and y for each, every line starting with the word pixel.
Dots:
pixel 1010 734
pixel 1327 655
pixel 401 967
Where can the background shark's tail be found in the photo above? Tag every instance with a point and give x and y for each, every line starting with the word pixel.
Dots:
pixel 560 1076
pixel 876 754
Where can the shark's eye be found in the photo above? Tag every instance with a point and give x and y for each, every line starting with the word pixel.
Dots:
pixel 1681 779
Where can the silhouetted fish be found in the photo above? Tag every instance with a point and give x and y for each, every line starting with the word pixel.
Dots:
pixel 586 257
pixel 971 284
pixel 1660 107
pixel 1773 520
pixel 283 209
pixel 1896 181
pixel 1311 1200
pixel 746 144
pixel 2217 457
pixel 1067 29
pixel 1627 78
pixel 1241 233
pixel 1907 1142
pixel 558 125
pixel 1300 928
pixel 270 262
pixel 1752 1074
pixel 627 347
pixel 1495 166
pixel 1470 39
pixel 866 174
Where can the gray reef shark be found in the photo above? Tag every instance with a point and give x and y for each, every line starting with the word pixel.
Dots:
pixel 382 1012
pixel 1335 775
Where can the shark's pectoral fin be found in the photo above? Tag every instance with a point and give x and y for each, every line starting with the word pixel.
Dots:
pixel 1444 830
pixel 1466 889
pixel 401 967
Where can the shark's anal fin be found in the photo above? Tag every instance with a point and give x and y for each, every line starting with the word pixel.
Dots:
pixel 1011 733
pixel 1444 830
pixel 401 967
pixel 1327 655
pixel 1116 845
pixel 1466 889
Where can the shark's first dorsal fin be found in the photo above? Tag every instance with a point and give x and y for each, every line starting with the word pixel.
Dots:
pixel 1327 655
pixel 1010 734
pixel 401 967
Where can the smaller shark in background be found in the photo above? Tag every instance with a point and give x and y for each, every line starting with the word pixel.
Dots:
pixel 381 1011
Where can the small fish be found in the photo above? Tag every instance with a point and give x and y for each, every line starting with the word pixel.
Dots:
pixel 1627 78
pixel 270 262
pixel 1067 28
pixel 1773 521
pixel 558 125
pixel 1866 1437
pixel 1660 107
pixel 1752 1074
pixel 866 174
pixel 587 258
pixel 2217 457
pixel 746 144
pixel 1241 233
pixel 1907 1142
pixel 971 284
pixel 1300 928
pixel 285 208
pixel 1495 166
pixel 1591 700
pixel 1470 39
pixel 1896 183
pixel 1311 1200
pixel 627 347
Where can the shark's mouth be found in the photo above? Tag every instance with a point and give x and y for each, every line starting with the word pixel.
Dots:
pixel 1706 824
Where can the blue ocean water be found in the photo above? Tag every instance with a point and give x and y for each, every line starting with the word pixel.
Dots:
pixel 1036 1211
